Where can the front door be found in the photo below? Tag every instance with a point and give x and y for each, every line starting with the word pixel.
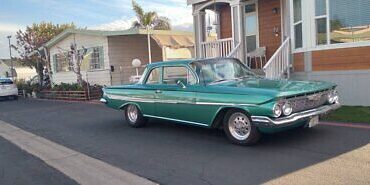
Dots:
pixel 251 26
pixel 176 100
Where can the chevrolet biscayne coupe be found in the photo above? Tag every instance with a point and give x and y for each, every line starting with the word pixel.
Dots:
pixel 221 93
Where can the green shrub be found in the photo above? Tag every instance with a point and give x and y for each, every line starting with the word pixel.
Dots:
pixel 74 87
pixel 29 88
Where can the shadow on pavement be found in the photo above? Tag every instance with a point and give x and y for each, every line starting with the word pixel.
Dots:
pixel 170 153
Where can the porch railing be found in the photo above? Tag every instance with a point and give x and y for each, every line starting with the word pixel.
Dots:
pixel 235 52
pixel 278 65
pixel 217 48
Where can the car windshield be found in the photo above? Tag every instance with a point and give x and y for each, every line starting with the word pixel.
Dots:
pixel 5 81
pixel 221 70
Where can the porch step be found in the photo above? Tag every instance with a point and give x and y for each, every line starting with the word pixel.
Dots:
pixel 258 72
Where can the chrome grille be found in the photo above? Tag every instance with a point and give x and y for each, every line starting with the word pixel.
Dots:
pixel 311 101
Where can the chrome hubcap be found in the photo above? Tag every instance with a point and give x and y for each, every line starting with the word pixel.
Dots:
pixel 239 126
pixel 132 113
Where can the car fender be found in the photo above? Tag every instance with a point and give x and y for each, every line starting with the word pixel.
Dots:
pixel 130 103
pixel 218 117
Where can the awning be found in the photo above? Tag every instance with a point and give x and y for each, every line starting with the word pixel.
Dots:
pixel 174 41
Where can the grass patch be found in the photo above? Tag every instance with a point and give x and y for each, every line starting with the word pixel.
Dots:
pixel 350 114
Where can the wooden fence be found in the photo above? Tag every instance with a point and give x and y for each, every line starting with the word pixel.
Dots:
pixel 86 95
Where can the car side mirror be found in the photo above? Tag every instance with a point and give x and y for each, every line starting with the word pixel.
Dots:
pixel 181 84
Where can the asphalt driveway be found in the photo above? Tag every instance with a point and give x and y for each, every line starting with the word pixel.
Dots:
pixel 169 153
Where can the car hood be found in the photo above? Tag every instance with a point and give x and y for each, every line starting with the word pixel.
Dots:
pixel 276 88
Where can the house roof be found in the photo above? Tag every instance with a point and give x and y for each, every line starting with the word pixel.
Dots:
pixel 68 32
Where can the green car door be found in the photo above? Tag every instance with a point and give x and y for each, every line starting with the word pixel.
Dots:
pixel 177 94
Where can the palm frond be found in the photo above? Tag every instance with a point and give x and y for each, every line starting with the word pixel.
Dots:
pixel 149 19
pixel 138 10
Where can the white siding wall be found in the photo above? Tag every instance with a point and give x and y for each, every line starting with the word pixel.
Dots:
pixel 353 86
pixel 101 77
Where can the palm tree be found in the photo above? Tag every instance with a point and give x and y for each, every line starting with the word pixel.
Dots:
pixel 149 20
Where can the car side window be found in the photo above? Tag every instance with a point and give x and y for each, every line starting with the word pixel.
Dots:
pixel 154 76
pixel 173 74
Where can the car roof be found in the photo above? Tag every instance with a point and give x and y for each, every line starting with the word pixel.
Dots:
pixel 170 63
pixel 185 62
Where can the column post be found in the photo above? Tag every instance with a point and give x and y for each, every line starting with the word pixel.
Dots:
pixel 199 32
pixel 237 16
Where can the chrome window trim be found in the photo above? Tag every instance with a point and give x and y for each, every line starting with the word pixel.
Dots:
pixel 161 75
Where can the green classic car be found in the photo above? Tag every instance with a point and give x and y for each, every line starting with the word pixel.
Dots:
pixel 221 93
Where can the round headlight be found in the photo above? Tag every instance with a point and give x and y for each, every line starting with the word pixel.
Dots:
pixel 277 110
pixel 287 108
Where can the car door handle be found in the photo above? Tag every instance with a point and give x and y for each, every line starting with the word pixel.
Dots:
pixel 158 91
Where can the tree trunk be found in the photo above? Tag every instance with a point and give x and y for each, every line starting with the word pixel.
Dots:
pixel 40 73
pixel 79 77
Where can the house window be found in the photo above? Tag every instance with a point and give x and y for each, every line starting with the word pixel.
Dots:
pixel 62 62
pixel 95 59
pixel 251 27
pixel 321 22
pixel 297 23
pixel 92 60
pixel 349 21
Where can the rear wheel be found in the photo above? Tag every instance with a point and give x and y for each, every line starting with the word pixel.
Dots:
pixel 239 128
pixel 15 97
pixel 133 116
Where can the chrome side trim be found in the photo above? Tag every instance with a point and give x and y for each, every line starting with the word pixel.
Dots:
pixel 224 104
pixel 295 117
pixel 125 98
pixel 190 122
pixel 147 100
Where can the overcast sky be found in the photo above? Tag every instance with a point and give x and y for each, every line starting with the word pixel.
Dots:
pixel 93 14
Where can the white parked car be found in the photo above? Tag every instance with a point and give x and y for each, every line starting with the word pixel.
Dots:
pixel 8 88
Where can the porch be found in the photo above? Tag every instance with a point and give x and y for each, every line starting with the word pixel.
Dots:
pixel 254 31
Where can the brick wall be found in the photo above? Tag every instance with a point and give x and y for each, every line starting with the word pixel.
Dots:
pixel 225 22
pixel 298 62
pixel 267 21
pixel 357 58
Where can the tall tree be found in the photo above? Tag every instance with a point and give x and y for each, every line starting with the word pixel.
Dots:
pixel 149 19
pixel 34 37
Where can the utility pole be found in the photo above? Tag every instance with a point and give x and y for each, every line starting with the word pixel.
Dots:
pixel 149 45
pixel 11 60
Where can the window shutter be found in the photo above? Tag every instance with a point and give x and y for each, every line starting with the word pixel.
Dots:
pixel 55 67
pixel 101 57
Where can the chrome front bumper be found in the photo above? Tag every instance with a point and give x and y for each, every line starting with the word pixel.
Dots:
pixel 268 122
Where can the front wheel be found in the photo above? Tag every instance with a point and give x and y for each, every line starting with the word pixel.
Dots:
pixel 134 117
pixel 239 128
